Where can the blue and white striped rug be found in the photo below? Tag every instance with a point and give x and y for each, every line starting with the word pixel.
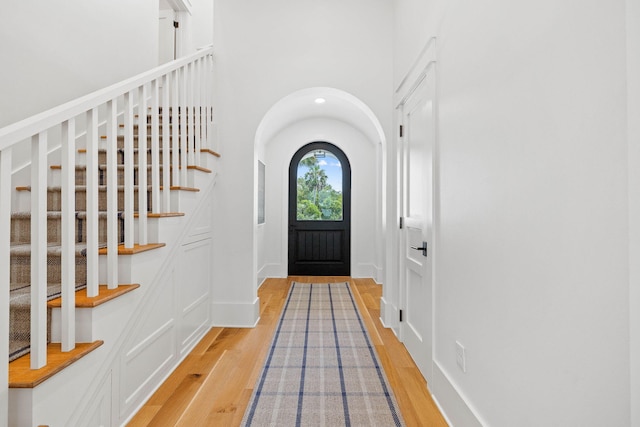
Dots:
pixel 321 369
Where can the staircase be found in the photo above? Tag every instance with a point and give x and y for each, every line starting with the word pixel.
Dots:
pixel 94 220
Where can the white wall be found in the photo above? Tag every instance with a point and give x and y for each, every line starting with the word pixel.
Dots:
pixel 361 154
pixel 532 270
pixel 53 52
pixel 265 51
pixel 633 126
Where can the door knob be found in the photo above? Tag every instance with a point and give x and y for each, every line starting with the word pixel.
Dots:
pixel 423 248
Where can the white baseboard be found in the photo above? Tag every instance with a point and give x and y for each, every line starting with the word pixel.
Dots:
pixel 452 404
pixel 235 315
pixel 389 315
pixel 379 276
pixel 363 270
pixel 273 270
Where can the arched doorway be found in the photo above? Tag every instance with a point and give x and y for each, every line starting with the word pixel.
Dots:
pixel 319 211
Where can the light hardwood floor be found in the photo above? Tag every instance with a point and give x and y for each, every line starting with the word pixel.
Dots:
pixel 213 385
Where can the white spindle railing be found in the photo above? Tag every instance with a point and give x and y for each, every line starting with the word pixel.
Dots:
pixel 174 88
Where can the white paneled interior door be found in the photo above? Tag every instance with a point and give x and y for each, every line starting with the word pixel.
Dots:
pixel 416 287
pixel 166 36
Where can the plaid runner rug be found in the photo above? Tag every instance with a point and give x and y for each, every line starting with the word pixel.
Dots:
pixel 321 369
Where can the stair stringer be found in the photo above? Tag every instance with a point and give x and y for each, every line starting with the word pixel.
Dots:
pixel 91 390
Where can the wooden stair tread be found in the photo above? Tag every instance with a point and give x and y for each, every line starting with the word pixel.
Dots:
pixel 177 187
pixel 22 376
pixel 199 168
pixel 104 167
pixel 210 151
pixel 160 215
pixel 104 294
pixel 135 250
pixel 121 150
pixel 81 187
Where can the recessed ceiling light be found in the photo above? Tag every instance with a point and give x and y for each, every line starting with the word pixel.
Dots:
pixel 320 100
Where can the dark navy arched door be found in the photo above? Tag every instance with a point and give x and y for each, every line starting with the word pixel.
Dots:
pixel 319 211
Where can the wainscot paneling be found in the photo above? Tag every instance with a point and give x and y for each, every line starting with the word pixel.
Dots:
pixel 195 266
pixel 202 223
pixel 144 363
pixel 101 410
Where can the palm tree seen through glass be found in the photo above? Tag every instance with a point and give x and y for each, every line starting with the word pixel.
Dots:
pixel 319 187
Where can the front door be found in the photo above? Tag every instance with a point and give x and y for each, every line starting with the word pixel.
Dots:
pixel 319 211
pixel 416 248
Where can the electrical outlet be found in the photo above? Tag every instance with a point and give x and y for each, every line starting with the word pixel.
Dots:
pixel 461 358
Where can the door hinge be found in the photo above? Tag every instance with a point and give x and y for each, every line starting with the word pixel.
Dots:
pixel 401 315
pixel 401 223
pixel 401 128
pixel 176 24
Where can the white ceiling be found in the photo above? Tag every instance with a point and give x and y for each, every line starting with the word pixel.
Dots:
pixel 301 105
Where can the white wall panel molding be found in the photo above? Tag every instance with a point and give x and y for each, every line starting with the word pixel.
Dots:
pixel 181 5
pixel 100 413
pixel 145 363
pixel 194 326
pixel 148 341
pixel 414 75
pixel 194 305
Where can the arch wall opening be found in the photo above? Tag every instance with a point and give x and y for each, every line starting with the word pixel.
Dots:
pixel 342 120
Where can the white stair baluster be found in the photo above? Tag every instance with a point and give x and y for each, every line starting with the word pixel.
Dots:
pixel 68 309
pixel 204 102
pixel 166 170
pixel 183 127
pixel 113 225
pixel 92 202
pixel 190 122
pixel 175 128
pixel 197 110
pixel 128 170
pixel 39 250
pixel 210 130
pixel 155 148
pixel 142 165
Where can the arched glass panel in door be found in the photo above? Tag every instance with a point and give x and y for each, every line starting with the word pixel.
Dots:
pixel 319 211
pixel 319 187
